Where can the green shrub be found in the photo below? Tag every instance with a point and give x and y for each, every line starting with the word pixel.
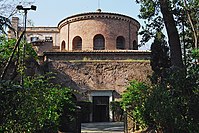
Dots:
pixel 133 101
pixel 36 107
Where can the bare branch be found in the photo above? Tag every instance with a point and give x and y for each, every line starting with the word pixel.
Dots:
pixel 191 23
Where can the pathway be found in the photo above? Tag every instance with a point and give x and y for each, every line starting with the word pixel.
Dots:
pixel 103 127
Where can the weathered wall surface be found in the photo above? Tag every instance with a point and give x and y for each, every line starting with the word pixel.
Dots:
pixel 85 76
pixel 42 47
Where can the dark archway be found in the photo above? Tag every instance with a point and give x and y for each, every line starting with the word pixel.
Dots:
pixel 77 43
pixel 135 45
pixel 99 42
pixel 63 45
pixel 120 42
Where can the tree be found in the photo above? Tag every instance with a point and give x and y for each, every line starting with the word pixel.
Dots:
pixel 191 9
pixel 5 22
pixel 174 40
pixel 7 10
pixel 8 7
pixel 169 106
pixel 37 107
pixel 160 59
pixel 11 53
pixel 133 101
pixel 167 12
pixel 38 104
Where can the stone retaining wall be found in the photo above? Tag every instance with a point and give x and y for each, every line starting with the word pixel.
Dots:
pixel 86 76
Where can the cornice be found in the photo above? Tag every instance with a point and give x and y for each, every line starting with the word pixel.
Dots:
pixel 138 52
pixel 42 30
pixel 95 15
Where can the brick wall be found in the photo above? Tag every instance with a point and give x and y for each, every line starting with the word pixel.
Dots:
pixel 90 24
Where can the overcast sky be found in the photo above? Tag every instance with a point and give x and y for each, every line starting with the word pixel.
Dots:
pixel 51 12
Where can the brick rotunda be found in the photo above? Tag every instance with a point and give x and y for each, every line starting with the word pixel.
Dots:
pixel 95 54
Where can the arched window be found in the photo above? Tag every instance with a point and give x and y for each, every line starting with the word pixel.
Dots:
pixel 135 45
pixel 120 42
pixel 63 45
pixel 77 43
pixel 99 42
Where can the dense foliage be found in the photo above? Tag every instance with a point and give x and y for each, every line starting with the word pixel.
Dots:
pixel 170 106
pixel 35 108
pixel 6 47
pixel 37 105
pixel 134 99
pixel 171 102
pixel 16 66
pixel 178 18
pixel 159 58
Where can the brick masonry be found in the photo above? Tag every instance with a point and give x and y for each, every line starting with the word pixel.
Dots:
pixel 89 69
pixel 85 70
pixel 88 25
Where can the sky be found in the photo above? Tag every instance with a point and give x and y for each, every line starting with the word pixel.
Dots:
pixel 51 12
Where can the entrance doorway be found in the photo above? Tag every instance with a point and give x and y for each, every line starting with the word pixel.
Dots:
pixel 101 109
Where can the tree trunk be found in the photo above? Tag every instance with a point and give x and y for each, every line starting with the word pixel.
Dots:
pixel 173 36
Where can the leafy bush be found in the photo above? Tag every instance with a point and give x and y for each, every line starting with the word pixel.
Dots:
pixel 133 100
pixel 7 46
pixel 37 107
pixel 171 106
pixel 16 66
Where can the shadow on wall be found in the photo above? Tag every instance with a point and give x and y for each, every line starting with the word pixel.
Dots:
pixel 65 80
